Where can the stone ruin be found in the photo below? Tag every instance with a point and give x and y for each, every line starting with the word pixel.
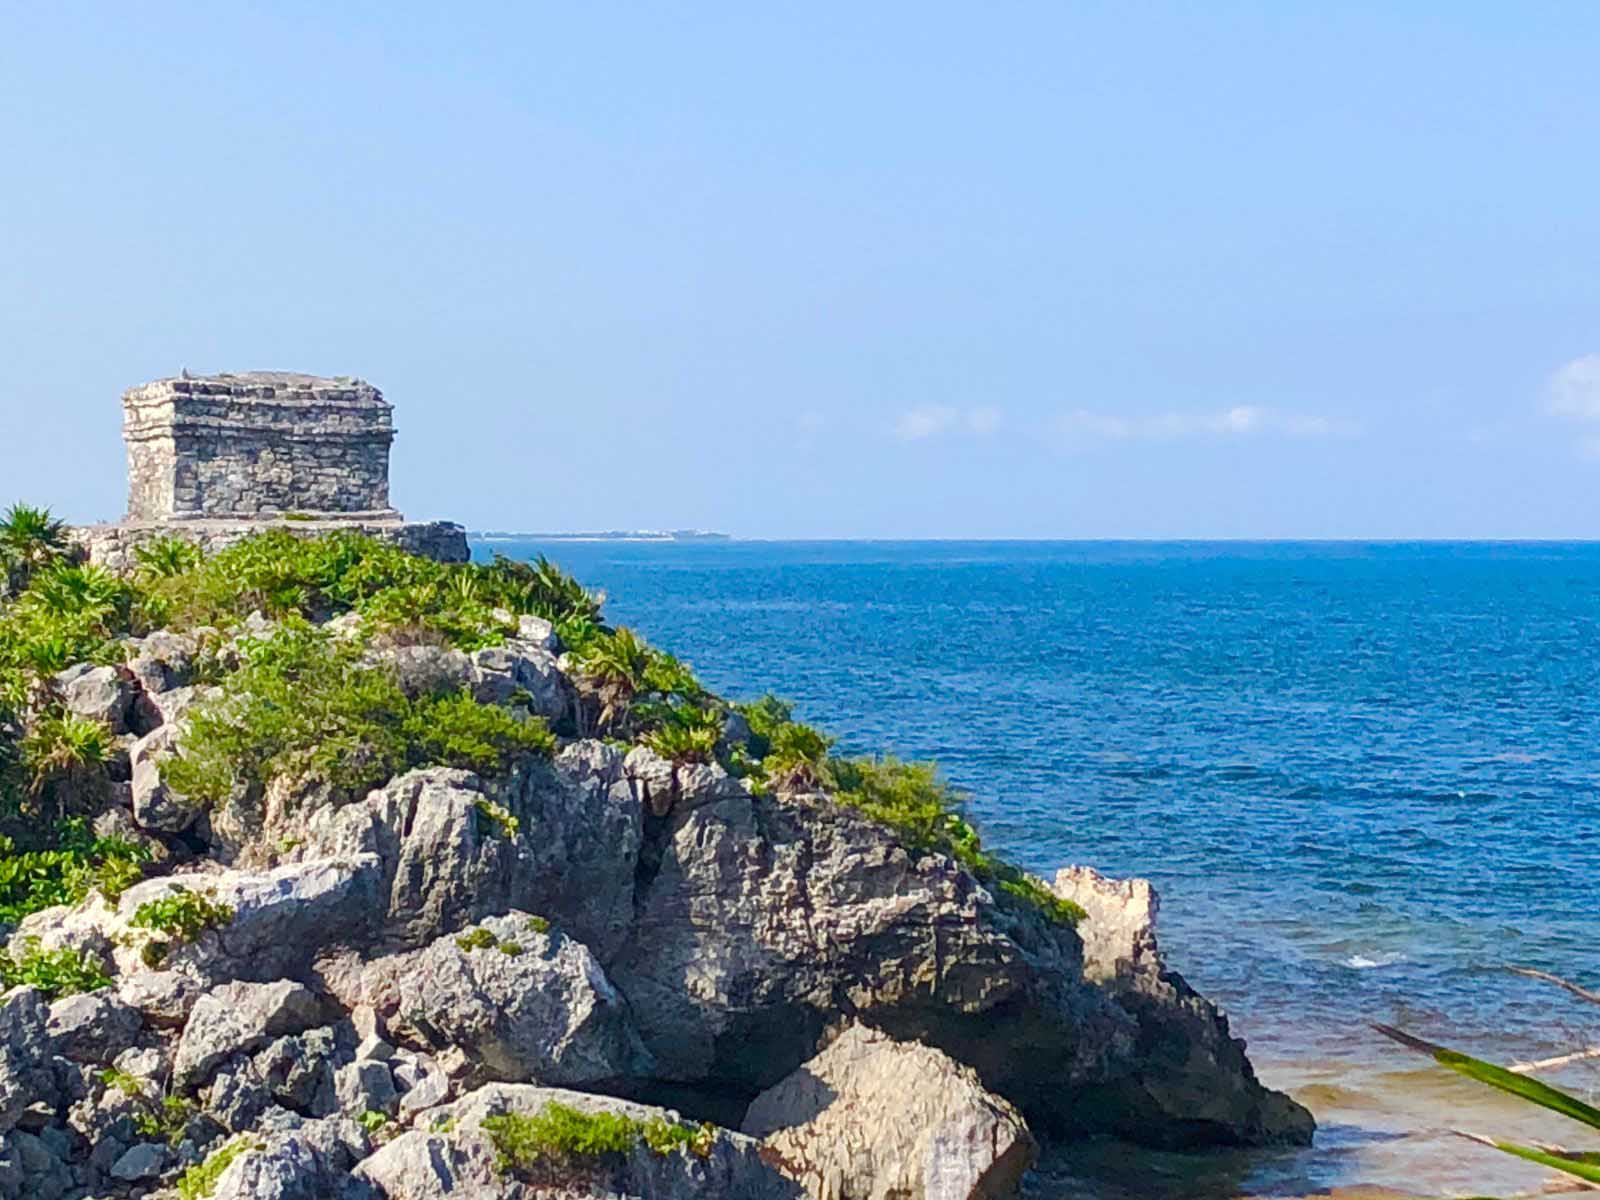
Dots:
pixel 266 444
pixel 215 458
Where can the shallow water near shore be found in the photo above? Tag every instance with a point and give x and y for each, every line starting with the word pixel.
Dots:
pixel 1364 777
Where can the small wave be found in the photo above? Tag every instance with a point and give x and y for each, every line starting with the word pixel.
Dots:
pixel 1363 962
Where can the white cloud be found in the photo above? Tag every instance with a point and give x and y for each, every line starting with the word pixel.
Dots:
pixel 920 423
pixel 984 420
pixel 1575 389
pixel 1239 421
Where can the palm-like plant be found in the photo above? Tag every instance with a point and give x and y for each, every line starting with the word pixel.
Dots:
pixel 30 538
pixel 1584 1165
pixel 615 666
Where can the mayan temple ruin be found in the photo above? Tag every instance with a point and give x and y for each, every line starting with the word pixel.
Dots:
pixel 214 458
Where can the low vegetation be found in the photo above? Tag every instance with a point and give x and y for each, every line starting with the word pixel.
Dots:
pixel 305 704
pixel 199 1182
pixel 559 1133
pixel 72 863
pixel 56 973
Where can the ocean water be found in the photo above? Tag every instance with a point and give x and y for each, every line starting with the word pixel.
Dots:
pixel 1365 778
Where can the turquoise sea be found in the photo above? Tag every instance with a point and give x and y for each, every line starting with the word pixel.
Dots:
pixel 1365 778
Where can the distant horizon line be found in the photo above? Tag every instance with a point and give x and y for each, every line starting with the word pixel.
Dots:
pixel 724 538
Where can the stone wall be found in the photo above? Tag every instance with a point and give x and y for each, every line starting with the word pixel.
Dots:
pixel 113 546
pixel 257 445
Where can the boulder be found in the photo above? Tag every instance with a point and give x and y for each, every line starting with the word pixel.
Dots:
pixel 425 669
pixel 282 919
pixel 164 999
pixel 365 1086
pixel 538 633
pixel 871 1118
pixel 155 805
pixel 98 693
pixel 454 1157
pixel 92 1026
pixel 144 1161
pixel 523 1003
pixel 162 661
pixel 239 1017
pixel 663 785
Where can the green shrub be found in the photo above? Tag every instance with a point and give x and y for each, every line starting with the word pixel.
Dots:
pixel 559 1133
pixel 476 939
pixel 686 735
pixel 56 973
pixel 165 1120
pixel 284 575
pixel 784 751
pixel 30 539
pixel 305 705
pixel 504 822
pixel 200 1180
pixel 70 862
pixel 372 1120
pixel 63 747
pixel 182 913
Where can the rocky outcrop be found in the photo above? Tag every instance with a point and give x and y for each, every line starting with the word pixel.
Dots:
pixel 870 1118
pixel 450 947
pixel 1191 1083
pixel 760 919
pixel 453 1156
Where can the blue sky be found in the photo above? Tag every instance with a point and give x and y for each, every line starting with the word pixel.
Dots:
pixel 1052 270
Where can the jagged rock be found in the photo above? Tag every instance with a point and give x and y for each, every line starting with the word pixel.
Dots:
pixel 299 1071
pixel 423 1085
pixel 163 660
pixel 155 804
pixel 428 1165
pixel 92 1026
pixel 282 918
pixel 26 1076
pixel 447 862
pixel 524 1005
pixel 871 1118
pixel 169 708
pixel 767 915
pixel 30 1170
pixel 99 693
pixel 237 1017
pixel 142 1063
pixel 164 998
pixel 81 928
pixel 144 1161
pixel 425 669
pixel 538 633
pixel 1119 933
pixel 365 1086
pixel 521 674
pixel 1191 1082
pixel 663 785
pixel 310 1161
pixel 238 1097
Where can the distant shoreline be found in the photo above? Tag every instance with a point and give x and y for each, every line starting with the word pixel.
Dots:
pixel 633 535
